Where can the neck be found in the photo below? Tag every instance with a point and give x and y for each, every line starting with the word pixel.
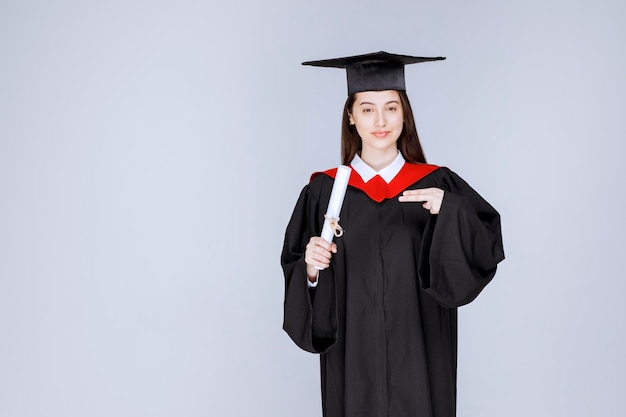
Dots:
pixel 378 160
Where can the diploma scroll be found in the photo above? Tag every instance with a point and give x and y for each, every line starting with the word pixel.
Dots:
pixel 336 201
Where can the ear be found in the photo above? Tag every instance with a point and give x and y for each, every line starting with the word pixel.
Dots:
pixel 351 119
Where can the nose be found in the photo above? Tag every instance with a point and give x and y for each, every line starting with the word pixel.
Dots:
pixel 380 119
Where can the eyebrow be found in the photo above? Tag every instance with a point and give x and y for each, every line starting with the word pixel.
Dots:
pixel 372 104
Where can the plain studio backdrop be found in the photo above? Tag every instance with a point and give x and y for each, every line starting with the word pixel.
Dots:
pixel 151 153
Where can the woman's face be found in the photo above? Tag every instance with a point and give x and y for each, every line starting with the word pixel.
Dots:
pixel 378 118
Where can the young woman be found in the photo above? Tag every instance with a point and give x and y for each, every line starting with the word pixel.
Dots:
pixel 380 303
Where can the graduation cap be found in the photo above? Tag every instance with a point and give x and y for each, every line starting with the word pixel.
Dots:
pixel 375 71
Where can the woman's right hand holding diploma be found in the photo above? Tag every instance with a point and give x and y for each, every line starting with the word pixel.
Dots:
pixel 317 256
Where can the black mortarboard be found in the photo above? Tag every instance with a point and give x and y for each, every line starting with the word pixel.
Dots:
pixel 376 71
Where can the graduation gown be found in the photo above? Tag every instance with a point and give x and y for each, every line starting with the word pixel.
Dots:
pixel 383 316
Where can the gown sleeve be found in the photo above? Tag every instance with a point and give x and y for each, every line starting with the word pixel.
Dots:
pixel 310 316
pixel 461 246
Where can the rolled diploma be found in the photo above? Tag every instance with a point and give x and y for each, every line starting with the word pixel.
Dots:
pixel 336 201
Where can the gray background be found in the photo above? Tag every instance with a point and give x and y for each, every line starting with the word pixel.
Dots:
pixel 151 153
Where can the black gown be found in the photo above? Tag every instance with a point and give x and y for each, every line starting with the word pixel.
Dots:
pixel 383 316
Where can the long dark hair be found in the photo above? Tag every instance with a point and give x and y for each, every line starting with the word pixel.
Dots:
pixel 408 142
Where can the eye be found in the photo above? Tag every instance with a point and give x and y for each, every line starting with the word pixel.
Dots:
pixel 392 108
pixel 366 110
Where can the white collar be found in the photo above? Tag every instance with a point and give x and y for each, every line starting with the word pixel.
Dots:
pixel 388 173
